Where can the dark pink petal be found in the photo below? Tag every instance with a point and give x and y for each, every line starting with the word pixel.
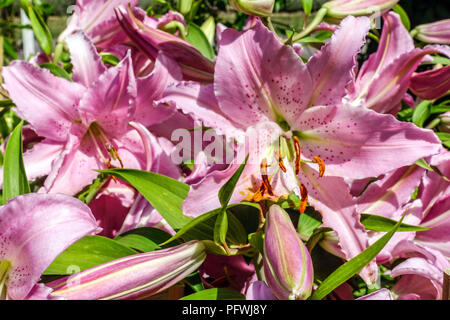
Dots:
pixel 259 79
pixel 331 67
pixel 34 230
pixel 431 84
pixel 359 143
pixel 47 102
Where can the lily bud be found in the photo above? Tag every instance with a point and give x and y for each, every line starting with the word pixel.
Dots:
pixel 134 277
pixel 444 126
pixel 287 264
pixel 261 8
pixel 436 32
pixel 342 8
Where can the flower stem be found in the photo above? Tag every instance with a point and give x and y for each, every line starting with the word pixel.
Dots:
pixel 318 18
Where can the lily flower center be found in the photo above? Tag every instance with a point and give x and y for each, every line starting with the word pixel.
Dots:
pixel 288 149
pixel 104 147
pixel 5 266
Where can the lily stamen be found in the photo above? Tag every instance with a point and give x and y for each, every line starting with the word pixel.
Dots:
pixel 321 164
pixel 265 177
pixel 304 201
pixel 297 154
pixel 280 162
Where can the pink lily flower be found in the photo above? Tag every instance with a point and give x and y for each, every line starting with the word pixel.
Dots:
pixel 298 127
pixel 97 19
pixel 432 84
pixel 34 230
pixel 385 77
pixel 84 123
pixel 435 32
pixel 151 41
pixel 134 277
pixel 382 294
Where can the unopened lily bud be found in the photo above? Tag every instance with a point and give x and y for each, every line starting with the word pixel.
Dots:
pixel 342 8
pixel 444 125
pixel 436 32
pixel 287 264
pixel 261 8
pixel 133 277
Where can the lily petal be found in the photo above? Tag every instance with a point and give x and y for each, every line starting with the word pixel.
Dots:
pixel 331 67
pixel 47 102
pixel 257 78
pixel 34 230
pixel 359 143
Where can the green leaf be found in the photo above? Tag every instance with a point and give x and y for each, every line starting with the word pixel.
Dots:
pixel 440 108
pixel 40 28
pixel 15 180
pixel 352 267
pixel 9 49
pixel 5 3
pixel 56 70
pixel 221 227
pixel 144 239
pixel 225 193
pixel 424 164
pixel 379 223
pixel 421 113
pixel 403 16
pixel 209 29
pixel 165 194
pixel 215 294
pixel 227 189
pixel 307 6
pixel 86 253
pixel 256 239
pixel 198 39
pixel 308 222
pixel 444 136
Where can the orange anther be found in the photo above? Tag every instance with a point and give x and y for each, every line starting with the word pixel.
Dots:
pixel 265 177
pixel 304 201
pixel 280 162
pixel 321 164
pixel 297 155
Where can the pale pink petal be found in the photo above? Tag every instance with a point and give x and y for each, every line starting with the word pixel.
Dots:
pixel 382 294
pixel 75 164
pixel 34 230
pixel 386 196
pixel 47 102
pixel 331 197
pixel 359 143
pixel 87 63
pixel 110 101
pixel 258 290
pixel 331 67
pixel 199 103
pixel 259 79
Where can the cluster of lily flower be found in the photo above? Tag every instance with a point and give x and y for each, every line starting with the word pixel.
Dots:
pixel 317 152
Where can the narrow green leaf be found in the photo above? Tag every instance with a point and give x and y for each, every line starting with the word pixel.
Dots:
pixel 227 189
pixel 444 136
pixel 144 239
pixel 308 222
pixel 421 113
pixel 40 28
pixel 403 16
pixel 225 193
pixel 256 239
pixel 86 253
pixel 198 39
pixel 15 180
pixel 215 294
pixel 352 267
pixel 379 223
pixel 5 3
pixel 440 108
pixel 209 29
pixel 424 164
pixel 165 194
pixel 307 6
pixel 56 70
pixel 9 49
pixel 221 227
